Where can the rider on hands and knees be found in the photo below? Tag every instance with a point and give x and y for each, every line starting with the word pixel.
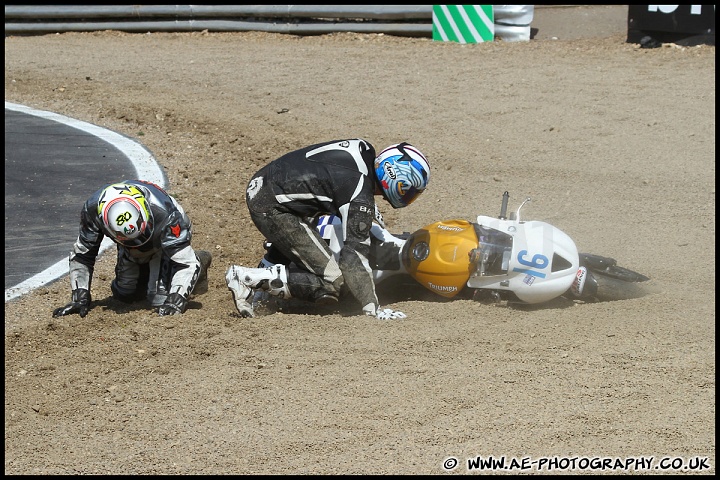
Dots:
pixel 154 256
pixel 341 178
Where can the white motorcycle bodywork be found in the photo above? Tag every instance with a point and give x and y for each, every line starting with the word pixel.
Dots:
pixel 540 262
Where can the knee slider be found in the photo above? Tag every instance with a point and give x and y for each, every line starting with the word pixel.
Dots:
pixel 327 299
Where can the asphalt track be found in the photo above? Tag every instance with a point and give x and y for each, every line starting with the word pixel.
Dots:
pixel 53 164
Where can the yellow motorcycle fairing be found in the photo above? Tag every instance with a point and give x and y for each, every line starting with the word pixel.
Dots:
pixel 437 256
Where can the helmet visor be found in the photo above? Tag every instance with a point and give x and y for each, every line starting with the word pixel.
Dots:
pixel 410 195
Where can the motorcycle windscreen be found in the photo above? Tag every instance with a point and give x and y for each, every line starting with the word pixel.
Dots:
pixel 492 255
pixel 438 256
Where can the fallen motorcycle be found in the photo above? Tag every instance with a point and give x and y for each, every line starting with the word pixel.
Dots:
pixel 491 259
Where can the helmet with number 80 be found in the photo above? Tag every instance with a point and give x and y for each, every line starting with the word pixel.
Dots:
pixel 126 214
pixel 403 173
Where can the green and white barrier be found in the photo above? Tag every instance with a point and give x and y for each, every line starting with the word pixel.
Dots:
pixel 463 23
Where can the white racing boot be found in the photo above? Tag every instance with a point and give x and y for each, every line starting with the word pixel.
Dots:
pixel 242 282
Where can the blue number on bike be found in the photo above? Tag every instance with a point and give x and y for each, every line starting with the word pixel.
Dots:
pixel 538 261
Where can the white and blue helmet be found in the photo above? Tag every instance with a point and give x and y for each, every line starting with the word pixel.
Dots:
pixel 402 172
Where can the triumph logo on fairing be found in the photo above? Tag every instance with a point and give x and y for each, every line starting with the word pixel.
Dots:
pixel 389 170
pixel 442 288
pixel 450 229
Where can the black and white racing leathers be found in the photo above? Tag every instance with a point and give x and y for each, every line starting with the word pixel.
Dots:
pixel 335 178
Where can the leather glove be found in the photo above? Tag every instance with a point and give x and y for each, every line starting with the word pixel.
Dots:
pixel 389 314
pixel 175 304
pixel 80 304
pixel 382 313
pixel 378 217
